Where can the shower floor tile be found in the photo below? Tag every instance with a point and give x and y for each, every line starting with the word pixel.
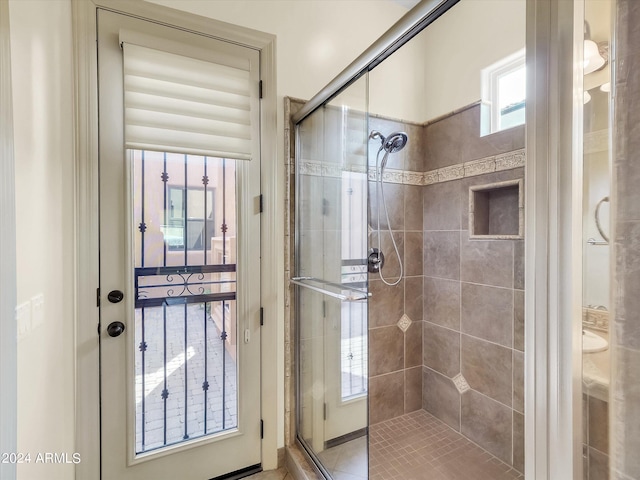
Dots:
pixel 418 446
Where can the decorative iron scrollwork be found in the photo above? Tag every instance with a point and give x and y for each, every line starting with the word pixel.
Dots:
pixel 156 286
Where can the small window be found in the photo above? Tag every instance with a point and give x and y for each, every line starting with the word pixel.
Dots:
pixel 189 210
pixel 503 94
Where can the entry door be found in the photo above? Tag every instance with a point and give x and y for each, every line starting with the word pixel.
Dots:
pixel 179 267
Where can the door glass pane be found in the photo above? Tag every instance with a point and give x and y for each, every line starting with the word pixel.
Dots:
pixel 184 229
pixel 331 252
pixel 596 253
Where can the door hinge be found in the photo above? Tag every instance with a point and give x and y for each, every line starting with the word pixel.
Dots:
pixel 324 411
pixel 261 316
pixel 261 203
pixel 324 309
pixel 261 428
pixel 260 89
pixel 98 297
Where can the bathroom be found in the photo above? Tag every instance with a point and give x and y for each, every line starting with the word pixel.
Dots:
pixel 447 282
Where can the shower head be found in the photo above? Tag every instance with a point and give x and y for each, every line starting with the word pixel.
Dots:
pixel 393 143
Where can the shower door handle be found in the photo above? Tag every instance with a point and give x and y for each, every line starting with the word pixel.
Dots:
pixel 354 295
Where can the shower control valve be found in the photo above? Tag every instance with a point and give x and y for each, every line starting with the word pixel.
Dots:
pixel 375 261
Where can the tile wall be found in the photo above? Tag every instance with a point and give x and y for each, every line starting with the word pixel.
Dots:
pixel 595 429
pixel 395 312
pixel 625 327
pixel 449 338
pixel 473 348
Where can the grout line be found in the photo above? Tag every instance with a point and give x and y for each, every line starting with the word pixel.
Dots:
pixel 460 323
pixel 469 335
pixel 485 285
pixel 512 442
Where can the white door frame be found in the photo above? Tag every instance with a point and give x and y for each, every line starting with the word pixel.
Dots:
pixel 86 217
pixel 8 328
pixel 553 251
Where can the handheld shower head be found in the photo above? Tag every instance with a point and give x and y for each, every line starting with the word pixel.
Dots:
pixel 391 144
pixel 395 142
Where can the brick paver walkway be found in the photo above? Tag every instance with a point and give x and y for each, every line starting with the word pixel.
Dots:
pixel 185 372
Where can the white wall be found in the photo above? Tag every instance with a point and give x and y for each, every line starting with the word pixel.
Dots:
pixel 316 38
pixel 42 101
pixel 397 85
pixel 471 36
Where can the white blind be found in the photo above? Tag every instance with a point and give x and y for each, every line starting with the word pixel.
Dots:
pixel 175 103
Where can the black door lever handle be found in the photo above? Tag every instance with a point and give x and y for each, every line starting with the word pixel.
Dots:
pixel 115 329
pixel 115 296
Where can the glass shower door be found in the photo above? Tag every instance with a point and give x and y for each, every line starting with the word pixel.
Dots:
pixel 331 282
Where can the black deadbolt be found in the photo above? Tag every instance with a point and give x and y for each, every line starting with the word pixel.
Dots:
pixel 115 296
pixel 115 329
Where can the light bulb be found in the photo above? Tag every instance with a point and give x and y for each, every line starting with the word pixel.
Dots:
pixel 606 87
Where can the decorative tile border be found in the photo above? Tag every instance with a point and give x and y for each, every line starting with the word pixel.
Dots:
pixel 597 141
pixel 454 172
pixel 510 160
pixel 496 163
pixel 595 319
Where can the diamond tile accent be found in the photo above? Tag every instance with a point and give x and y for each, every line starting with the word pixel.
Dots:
pixel 404 323
pixel 461 383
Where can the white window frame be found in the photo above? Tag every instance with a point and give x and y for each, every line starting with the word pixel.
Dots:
pixel 490 77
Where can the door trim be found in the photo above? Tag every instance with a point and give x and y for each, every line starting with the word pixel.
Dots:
pixel 86 214
pixel 8 328
pixel 553 247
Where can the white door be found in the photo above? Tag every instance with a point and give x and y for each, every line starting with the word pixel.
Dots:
pixel 179 265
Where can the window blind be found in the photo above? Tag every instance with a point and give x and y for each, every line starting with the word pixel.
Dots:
pixel 179 104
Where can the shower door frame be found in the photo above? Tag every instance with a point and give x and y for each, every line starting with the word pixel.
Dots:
pixel 553 248
pixel 298 285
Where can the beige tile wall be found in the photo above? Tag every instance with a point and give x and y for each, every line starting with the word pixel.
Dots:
pixel 625 331
pixel 595 438
pixel 395 386
pixel 473 298
pixel 464 297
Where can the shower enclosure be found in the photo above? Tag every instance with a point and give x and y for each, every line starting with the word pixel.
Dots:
pixel 423 375
pixel 407 273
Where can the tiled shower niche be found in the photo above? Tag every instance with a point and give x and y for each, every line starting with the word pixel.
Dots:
pixel 496 210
